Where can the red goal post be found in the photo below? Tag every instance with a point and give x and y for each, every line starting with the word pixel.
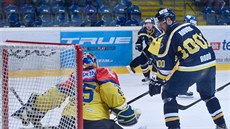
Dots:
pixel 38 67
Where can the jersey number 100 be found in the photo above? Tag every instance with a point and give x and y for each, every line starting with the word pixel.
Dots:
pixel 192 45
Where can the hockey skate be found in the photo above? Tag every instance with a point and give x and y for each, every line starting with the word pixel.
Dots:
pixel 131 69
pixel 188 94
pixel 223 126
pixel 146 79
pixel 28 114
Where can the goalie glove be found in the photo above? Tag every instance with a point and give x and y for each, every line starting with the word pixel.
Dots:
pixel 155 86
pixel 126 116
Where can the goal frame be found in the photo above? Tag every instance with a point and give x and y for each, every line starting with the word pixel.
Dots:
pixel 79 85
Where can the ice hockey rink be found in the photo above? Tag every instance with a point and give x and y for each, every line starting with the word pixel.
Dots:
pixel 195 117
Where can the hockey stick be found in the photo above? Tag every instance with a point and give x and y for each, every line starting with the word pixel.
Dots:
pixel 24 122
pixel 16 95
pixel 20 101
pixel 138 97
pixel 167 78
pixel 184 107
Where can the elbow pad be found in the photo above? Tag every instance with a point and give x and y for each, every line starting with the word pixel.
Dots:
pixel 126 116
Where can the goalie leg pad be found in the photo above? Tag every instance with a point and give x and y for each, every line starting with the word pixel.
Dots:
pixel 28 114
pixel 127 116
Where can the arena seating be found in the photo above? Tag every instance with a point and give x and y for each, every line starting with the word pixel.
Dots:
pixel 64 13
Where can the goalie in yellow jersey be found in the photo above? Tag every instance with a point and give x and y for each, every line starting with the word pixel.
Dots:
pixel 102 95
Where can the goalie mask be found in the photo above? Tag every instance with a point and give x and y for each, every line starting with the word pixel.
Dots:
pixel 89 61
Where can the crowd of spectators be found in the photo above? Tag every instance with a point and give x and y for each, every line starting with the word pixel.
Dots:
pixel 48 13
pixel 216 12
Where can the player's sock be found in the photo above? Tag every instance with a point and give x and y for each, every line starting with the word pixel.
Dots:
pixel 215 111
pixel 172 118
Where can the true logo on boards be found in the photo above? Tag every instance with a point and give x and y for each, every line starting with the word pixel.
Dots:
pixel 98 40
pixel 220 45
pixel 97 37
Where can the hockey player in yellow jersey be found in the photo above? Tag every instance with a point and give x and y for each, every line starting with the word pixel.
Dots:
pixel 101 95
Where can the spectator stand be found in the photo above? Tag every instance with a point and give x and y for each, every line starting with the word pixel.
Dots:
pixel 90 14
pixel 120 15
pixel 28 16
pixel 224 17
pixel 210 16
pixel 105 16
pixel 12 15
pixel 214 12
pixel 134 16
pixel 76 15
pixel 44 13
pixel 59 14
pixel 2 18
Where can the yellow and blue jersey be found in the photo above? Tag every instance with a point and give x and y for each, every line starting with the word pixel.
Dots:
pixel 183 42
pixel 101 92
pixel 147 37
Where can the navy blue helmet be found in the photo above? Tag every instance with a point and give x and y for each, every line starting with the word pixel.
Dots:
pixel 164 13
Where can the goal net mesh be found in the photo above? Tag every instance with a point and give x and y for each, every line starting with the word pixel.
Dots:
pixel 40 86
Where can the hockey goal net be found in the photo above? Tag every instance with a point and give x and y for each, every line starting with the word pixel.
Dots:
pixel 30 68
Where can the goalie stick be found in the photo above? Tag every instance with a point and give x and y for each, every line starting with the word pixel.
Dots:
pixel 20 101
pixel 184 107
pixel 16 95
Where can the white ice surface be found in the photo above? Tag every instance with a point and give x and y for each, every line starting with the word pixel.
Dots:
pixel 196 117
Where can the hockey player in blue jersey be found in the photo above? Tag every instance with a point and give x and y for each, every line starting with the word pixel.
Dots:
pixel 145 37
pixel 184 48
pixel 192 20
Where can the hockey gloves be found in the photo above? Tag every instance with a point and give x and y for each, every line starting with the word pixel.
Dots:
pixel 150 61
pixel 155 86
pixel 139 47
pixel 126 116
